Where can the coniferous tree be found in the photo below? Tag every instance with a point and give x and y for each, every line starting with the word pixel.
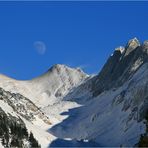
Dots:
pixel 13 131
pixel 33 141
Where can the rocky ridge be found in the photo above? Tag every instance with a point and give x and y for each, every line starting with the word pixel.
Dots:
pixel 23 106
pixel 88 108
pixel 121 66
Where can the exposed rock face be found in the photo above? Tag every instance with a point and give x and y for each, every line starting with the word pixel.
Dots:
pixel 86 108
pixel 114 103
pixel 13 132
pixel 121 49
pixel 121 66
pixel 56 83
pixel 145 43
pixel 22 106
pixel 131 45
pixel 48 88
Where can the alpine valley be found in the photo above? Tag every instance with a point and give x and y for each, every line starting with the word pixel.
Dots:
pixel 69 108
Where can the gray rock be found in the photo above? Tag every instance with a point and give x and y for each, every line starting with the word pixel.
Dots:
pixel 131 45
pixel 120 68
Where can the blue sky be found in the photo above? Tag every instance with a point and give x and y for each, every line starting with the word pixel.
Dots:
pixel 36 35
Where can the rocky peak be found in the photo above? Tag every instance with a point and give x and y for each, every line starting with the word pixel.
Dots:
pixel 120 48
pixel 57 67
pixel 60 68
pixel 56 82
pixel 145 43
pixel 131 45
pixel 120 67
pixel 133 42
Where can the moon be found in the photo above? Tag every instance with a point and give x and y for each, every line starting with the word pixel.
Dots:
pixel 40 47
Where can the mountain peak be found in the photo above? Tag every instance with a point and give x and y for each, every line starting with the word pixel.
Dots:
pixel 131 45
pixel 65 103
pixel 120 67
pixel 57 67
pixel 145 43
pixel 56 82
pixel 134 42
pixel 120 48
pixel 61 67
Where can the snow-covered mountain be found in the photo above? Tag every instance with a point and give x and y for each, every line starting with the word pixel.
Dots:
pixel 66 107
pixel 49 87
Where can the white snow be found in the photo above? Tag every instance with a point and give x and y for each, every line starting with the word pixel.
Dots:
pixel 42 91
pixel 49 88
pixel 7 108
pixel 40 133
pixel 78 115
pixel 1 146
pixel 38 127
pixel 104 121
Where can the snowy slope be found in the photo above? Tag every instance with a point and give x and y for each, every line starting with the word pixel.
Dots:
pixel 112 118
pixel 46 90
pixel 36 125
pixel 107 109
pixel 49 88
pixel 38 128
pixel 112 103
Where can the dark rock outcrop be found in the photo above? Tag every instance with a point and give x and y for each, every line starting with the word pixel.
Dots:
pixel 23 106
pixel 13 132
pixel 121 66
